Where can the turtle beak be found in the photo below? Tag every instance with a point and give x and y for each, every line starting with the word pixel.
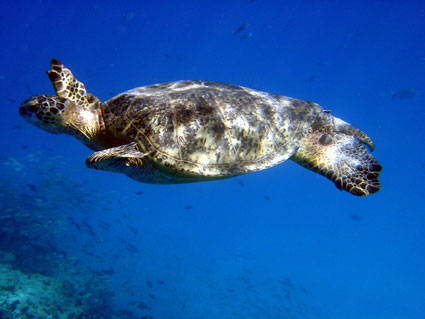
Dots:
pixel 22 111
pixel 29 108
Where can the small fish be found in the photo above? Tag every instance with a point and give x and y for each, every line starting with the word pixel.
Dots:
pixel 24 147
pixel 133 230
pixel 240 182
pixel 108 272
pixel 131 248
pixel 96 272
pixel 140 304
pixel 149 284
pixel 33 188
pixel 188 207
pixel 160 282
pixel 311 78
pixel 152 296
pixel 128 17
pixel 286 283
pixel 11 100
pixel 246 35
pixel 125 283
pixel 356 217
pixel 139 193
pixel 404 94
pixel 244 279
pixel 104 225
pixel 305 291
pixel 241 28
pixel 76 263
pixel 266 197
pixel 322 64
pixel 88 228
pixel 74 223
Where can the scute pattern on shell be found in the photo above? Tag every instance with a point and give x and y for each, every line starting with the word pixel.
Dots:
pixel 208 128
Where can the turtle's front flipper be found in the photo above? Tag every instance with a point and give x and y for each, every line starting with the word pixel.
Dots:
pixel 117 159
pixel 66 86
pixel 137 165
pixel 343 159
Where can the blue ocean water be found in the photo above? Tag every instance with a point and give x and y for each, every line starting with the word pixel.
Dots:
pixel 280 243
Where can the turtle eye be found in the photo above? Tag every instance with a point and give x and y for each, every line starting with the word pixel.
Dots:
pixel 33 108
pixel 325 139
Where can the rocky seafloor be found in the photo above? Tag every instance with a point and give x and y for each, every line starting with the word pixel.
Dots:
pixel 38 278
pixel 39 297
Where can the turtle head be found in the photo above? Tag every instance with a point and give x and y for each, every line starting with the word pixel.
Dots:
pixel 45 111
pixel 336 150
pixel 58 115
pixel 72 111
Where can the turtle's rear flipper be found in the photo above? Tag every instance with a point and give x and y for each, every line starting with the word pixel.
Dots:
pixel 343 159
pixel 66 85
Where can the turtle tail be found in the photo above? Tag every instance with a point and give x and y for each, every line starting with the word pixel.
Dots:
pixel 343 159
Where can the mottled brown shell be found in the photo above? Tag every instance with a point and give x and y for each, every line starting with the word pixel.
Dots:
pixel 210 129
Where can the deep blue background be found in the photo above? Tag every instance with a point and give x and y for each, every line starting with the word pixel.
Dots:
pixel 225 257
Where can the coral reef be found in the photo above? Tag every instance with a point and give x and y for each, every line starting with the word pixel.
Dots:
pixel 39 297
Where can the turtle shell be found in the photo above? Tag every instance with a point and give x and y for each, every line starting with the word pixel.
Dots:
pixel 210 129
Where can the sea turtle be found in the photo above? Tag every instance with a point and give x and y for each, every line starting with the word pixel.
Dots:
pixel 189 131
